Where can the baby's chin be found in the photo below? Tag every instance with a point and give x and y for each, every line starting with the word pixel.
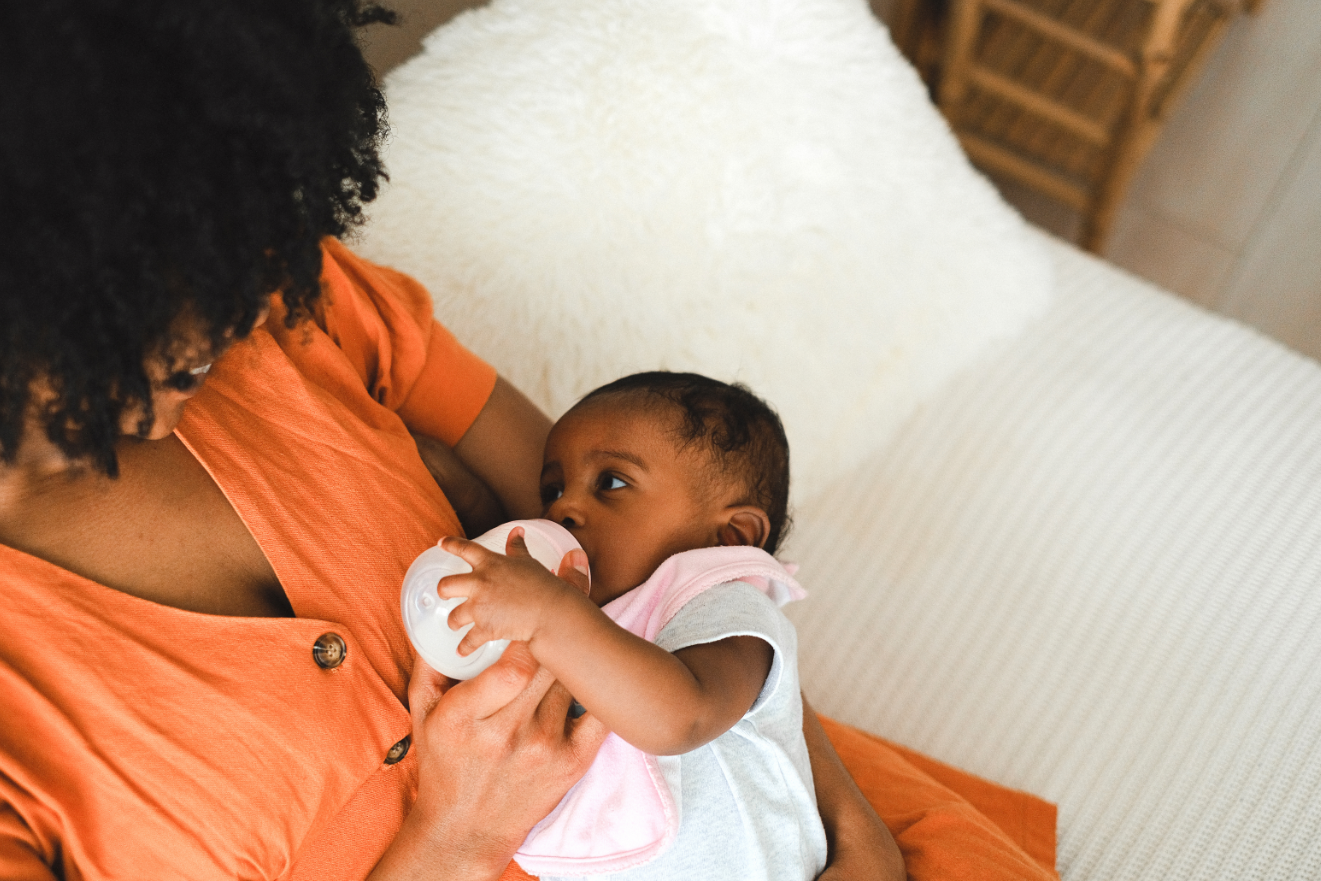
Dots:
pixel 606 588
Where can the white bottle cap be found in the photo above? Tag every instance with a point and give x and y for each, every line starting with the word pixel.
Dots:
pixel 426 615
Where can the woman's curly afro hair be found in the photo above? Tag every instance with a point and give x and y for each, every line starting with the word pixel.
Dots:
pixel 159 157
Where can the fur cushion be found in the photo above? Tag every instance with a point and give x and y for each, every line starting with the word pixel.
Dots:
pixel 752 189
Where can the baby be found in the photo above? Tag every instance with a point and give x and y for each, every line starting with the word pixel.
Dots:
pixel 641 470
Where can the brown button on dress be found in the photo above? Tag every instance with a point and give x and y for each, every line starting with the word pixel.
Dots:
pixel 329 650
pixel 398 751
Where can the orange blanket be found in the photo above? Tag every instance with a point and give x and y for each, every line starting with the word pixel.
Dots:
pixel 950 825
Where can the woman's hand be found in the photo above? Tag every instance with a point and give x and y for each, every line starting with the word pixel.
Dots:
pixel 495 754
pixel 510 595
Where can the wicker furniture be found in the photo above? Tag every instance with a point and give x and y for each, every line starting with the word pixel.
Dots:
pixel 1063 96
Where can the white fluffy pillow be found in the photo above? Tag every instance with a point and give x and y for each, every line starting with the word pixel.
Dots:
pixel 752 189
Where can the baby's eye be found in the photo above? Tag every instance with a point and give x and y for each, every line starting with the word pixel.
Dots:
pixel 550 492
pixel 609 481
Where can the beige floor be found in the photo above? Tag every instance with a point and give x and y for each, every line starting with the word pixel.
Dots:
pixel 1227 209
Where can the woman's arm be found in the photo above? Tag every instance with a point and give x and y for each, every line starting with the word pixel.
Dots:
pixel 860 847
pixel 473 502
pixel 503 449
pixel 492 474
pixel 661 703
pixel 495 755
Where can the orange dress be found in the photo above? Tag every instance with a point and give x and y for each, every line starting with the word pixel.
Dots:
pixel 140 741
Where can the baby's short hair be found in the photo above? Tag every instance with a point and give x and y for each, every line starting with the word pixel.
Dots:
pixel 742 433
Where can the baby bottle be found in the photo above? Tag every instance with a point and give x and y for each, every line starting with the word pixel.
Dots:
pixel 426 614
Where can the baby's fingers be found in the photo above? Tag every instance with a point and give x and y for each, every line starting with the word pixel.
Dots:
pixel 472 641
pixel 452 586
pixel 468 551
pixel 516 544
pixel 574 569
pixel 460 616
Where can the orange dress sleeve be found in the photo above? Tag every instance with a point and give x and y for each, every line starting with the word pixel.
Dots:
pixel 382 321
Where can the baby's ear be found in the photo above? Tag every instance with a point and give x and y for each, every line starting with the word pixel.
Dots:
pixel 744 526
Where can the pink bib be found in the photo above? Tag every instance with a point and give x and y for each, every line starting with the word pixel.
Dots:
pixel 622 813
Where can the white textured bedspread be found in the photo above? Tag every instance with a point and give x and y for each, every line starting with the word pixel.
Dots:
pixel 1091 569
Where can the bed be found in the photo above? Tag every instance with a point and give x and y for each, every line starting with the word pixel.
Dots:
pixel 1060 528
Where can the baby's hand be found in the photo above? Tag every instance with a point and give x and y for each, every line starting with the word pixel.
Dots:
pixel 509 596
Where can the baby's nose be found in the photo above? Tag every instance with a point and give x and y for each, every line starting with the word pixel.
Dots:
pixel 563 514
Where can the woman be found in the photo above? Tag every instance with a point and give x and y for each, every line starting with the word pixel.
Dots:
pixel 208 494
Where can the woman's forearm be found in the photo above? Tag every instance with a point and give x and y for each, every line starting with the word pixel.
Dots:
pixel 435 850
pixel 859 845
pixel 503 448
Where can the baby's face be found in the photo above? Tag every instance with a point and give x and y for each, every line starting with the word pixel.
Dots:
pixel 615 477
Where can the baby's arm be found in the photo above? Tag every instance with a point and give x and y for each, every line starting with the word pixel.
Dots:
pixel 661 703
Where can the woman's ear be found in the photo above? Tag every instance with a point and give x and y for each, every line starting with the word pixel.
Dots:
pixel 744 526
